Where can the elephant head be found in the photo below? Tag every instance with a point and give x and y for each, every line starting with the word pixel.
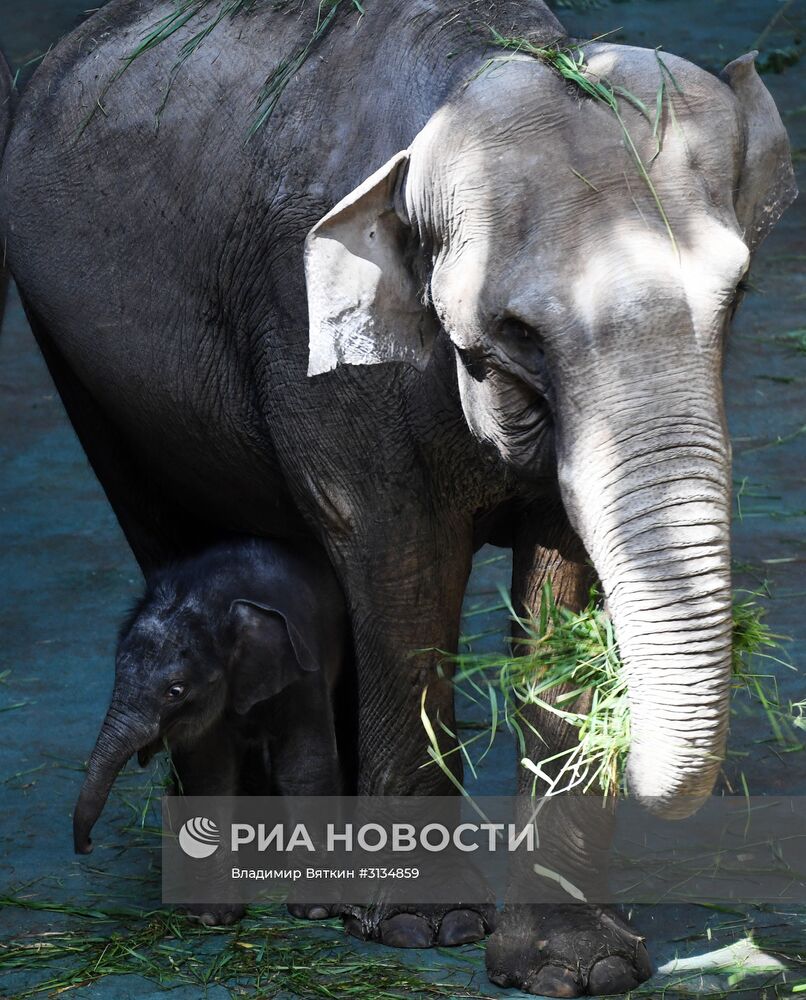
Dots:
pixel 587 299
pixel 185 658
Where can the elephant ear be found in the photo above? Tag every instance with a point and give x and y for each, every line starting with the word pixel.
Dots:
pixel 766 181
pixel 364 302
pixel 268 655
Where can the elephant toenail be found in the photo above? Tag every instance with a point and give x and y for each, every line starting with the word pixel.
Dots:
pixel 318 913
pixel 406 930
pixel 208 919
pixel 612 975
pixel 460 927
pixel 499 978
pixel 555 981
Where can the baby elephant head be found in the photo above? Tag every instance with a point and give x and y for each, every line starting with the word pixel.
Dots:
pixel 183 660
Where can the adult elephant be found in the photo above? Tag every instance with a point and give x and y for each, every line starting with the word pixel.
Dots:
pixel 514 334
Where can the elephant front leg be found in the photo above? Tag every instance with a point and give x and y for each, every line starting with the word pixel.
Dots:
pixel 546 942
pixel 304 757
pixel 301 737
pixel 209 765
pixel 556 947
pixel 405 596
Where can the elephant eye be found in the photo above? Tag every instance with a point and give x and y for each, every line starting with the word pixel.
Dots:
pixel 175 691
pixel 518 332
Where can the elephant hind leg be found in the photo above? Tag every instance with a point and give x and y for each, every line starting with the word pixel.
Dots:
pixel 156 528
pixel 542 945
pixel 546 549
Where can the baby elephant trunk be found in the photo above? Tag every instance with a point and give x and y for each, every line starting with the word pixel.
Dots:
pixel 122 734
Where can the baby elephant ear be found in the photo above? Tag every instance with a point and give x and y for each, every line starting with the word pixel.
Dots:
pixel 364 302
pixel 767 181
pixel 269 654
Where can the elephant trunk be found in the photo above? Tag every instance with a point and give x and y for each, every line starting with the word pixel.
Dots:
pixel 122 734
pixel 650 498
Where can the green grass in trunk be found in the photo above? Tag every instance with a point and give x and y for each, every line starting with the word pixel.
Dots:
pixel 578 652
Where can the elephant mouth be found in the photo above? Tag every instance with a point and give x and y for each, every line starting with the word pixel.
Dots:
pixel 506 410
pixel 523 431
pixel 146 754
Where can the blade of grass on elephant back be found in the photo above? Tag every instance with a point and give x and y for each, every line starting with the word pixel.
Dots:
pixel 187 11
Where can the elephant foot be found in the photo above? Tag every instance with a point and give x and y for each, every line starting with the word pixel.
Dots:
pixel 313 911
pixel 420 926
pixel 566 951
pixel 215 914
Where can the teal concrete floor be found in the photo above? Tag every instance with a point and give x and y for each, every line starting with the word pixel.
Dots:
pixel 66 578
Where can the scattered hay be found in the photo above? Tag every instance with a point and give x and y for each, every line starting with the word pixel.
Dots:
pixel 266 955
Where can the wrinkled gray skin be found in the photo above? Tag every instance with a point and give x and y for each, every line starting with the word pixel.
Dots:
pixel 231 661
pixel 6 95
pixel 6 109
pixel 557 385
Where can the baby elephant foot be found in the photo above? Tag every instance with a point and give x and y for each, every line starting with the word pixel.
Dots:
pixel 313 911
pixel 566 951
pixel 215 914
pixel 421 926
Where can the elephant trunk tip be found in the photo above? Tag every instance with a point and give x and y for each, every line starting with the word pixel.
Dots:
pixel 83 845
pixel 122 734
pixel 671 807
pixel 675 792
pixel 82 842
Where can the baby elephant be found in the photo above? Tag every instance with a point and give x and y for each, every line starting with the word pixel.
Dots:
pixel 231 660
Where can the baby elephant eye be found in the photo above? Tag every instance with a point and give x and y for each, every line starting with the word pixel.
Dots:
pixel 175 691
